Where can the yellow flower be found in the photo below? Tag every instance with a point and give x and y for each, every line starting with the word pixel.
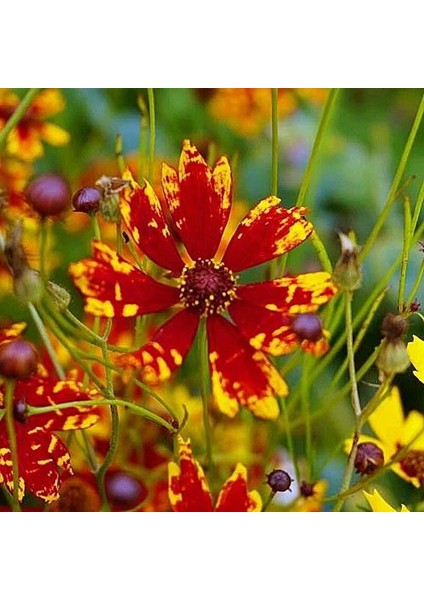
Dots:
pixel 311 497
pixel 393 432
pixel 415 350
pixel 25 140
pixel 379 504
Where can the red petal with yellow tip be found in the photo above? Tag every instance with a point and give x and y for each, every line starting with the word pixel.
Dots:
pixel 187 487
pixel 11 332
pixel 199 200
pixel 111 286
pixel 292 294
pixel 39 391
pixel 266 232
pixel 167 349
pixel 241 375
pixel 235 497
pixel 143 216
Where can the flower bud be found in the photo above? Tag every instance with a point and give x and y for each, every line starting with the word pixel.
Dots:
pixel 87 200
pixel 307 489
pixel 307 326
pixel 59 295
pixel 111 188
pixel 123 490
pixel 48 194
pixel 393 357
pixel 28 287
pixel 18 359
pixel 347 272
pixel 20 410
pixel 279 481
pixel 76 495
pixel 369 458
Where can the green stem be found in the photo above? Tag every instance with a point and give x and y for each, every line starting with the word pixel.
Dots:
pixel 351 355
pixel 326 116
pixel 321 251
pixel 96 228
pixel 204 388
pixel 158 398
pixel 46 340
pixel 268 501
pixel 118 153
pixel 413 293
pixel 20 111
pixel 306 409
pixel 418 207
pixel 43 248
pixel 407 233
pixel 396 182
pixel 274 124
pixel 289 437
pixel 142 147
pixel 152 140
pixel 11 433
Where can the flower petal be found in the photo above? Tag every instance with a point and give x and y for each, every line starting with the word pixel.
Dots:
pixel 187 487
pixel 235 497
pixel 266 232
pixel 54 135
pixel 11 332
pixel 167 349
pixel 144 218
pixel 199 200
pixel 415 351
pixel 379 504
pixel 112 286
pixel 291 294
pixel 387 420
pixel 6 470
pixel 241 375
pixel 39 391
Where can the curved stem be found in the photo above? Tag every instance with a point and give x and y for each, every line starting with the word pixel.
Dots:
pixel 46 340
pixel 18 114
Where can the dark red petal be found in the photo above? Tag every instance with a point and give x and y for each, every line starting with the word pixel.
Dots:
pixel 6 471
pixel 187 487
pixel 199 200
pixel 39 391
pixel 241 375
pixel 167 349
pixel 143 216
pixel 111 286
pixel 235 496
pixel 292 294
pixel 266 232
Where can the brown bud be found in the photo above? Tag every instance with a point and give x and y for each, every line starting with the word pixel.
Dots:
pixel 279 481
pixel 87 200
pixel 307 326
pixel 48 194
pixel 347 272
pixel 394 327
pixel 369 458
pixel 18 359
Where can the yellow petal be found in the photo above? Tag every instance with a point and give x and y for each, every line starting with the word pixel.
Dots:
pixel 413 429
pixel 54 135
pixel 387 420
pixel 415 350
pixel 378 504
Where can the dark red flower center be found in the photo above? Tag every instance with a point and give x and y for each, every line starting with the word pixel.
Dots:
pixel 209 286
pixel 413 465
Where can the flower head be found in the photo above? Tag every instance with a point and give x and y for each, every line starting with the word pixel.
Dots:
pixel 189 492
pixel 25 140
pixel 243 321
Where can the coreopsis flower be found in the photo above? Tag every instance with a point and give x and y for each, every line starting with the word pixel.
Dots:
pixel 311 496
pixel 42 455
pixel 379 504
pixel 205 283
pixel 415 350
pixel 394 431
pixel 189 492
pixel 25 140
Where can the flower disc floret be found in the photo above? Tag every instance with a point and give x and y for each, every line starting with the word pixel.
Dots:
pixel 208 286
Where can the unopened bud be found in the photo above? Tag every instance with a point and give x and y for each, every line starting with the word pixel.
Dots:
pixel 48 194
pixel 307 326
pixel 59 295
pixel 279 481
pixel 347 272
pixel 393 357
pixel 18 359
pixel 369 458
pixel 87 200
pixel 28 287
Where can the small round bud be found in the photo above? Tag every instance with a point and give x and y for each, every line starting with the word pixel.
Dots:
pixel 394 327
pixel 59 295
pixel 393 357
pixel 18 359
pixel 87 200
pixel 48 194
pixel 369 458
pixel 20 410
pixel 347 272
pixel 307 489
pixel 279 481
pixel 124 490
pixel 307 326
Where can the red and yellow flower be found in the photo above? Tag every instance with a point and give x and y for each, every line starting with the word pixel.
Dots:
pixel 42 456
pixel 25 140
pixel 189 492
pixel 260 315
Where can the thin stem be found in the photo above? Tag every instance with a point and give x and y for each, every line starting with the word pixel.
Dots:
pixel 322 252
pixel 274 125
pixel 158 398
pixel 351 355
pixel 43 247
pixel 289 437
pixel 152 140
pixel 306 409
pixel 326 116
pixel 407 233
pixel 413 293
pixel 46 340
pixel 142 146
pixel 96 228
pixel 204 385
pixel 118 153
pixel 396 182
pixel 268 501
pixel 18 114
pixel 11 434
pixel 418 207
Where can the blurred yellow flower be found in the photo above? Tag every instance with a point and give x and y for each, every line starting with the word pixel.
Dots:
pixel 379 504
pixel 25 140
pixel 415 350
